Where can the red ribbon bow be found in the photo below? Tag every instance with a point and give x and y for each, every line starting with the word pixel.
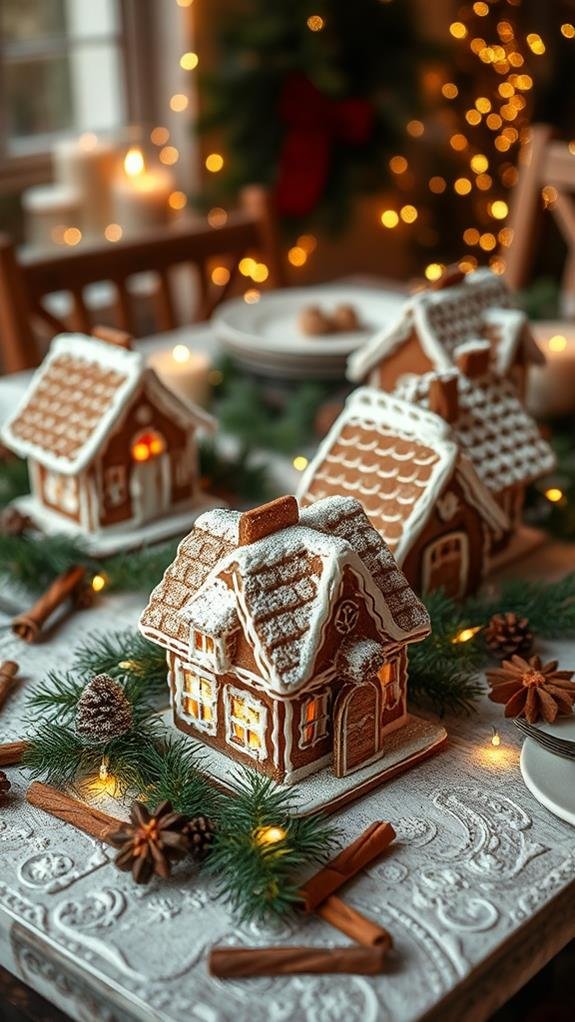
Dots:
pixel 314 122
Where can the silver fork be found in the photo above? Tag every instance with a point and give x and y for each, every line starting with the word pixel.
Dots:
pixel 559 746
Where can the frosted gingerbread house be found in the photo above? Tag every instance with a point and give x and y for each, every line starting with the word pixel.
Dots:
pixel 434 323
pixel 490 426
pixel 416 485
pixel 286 636
pixel 440 466
pixel 110 449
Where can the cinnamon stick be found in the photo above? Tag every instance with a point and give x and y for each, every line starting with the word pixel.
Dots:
pixel 12 753
pixel 28 624
pixel 355 925
pixel 237 962
pixel 86 818
pixel 8 680
pixel 350 861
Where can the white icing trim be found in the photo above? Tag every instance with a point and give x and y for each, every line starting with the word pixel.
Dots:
pixel 510 324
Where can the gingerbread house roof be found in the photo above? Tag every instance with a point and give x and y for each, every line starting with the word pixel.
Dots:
pixel 396 458
pixel 492 428
pixel 281 589
pixel 77 395
pixel 479 306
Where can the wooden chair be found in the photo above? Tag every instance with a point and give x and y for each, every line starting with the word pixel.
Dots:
pixel 25 282
pixel 544 163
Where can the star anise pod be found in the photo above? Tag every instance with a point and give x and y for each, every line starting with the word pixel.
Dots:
pixel 532 689
pixel 150 842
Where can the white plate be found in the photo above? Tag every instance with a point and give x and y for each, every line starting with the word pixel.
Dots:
pixel 551 779
pixel 270 325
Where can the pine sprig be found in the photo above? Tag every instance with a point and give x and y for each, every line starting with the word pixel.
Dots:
pixel 13 479
pixel 443 674
pixel 174 769
pixel 124 654
pixel 56 752
pixel 34 562
pixel 549 606
pixel 259 879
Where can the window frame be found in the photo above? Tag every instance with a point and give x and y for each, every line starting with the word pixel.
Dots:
pixel 259 752
pixel 195 694
pixel 134 38
pixel 317 725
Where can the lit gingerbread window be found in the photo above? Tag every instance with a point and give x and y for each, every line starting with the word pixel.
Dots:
pixel 147 445
pixel 246 723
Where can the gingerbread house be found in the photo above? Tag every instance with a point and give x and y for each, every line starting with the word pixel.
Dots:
pixel 109 447
pixel 286 636
pixel 418 488
pixel 434 323
pixel 490 425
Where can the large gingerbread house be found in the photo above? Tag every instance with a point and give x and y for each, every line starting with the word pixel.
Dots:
pixel 434 323
pixel 490 425
pixel 286 636
pixel 108 445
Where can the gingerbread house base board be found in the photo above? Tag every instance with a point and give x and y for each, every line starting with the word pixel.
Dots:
pixel 323 791
pixel 523 543
pixel 122 537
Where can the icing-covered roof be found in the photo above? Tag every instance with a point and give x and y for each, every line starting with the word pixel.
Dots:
pixel 493 429
pixel 477 307
pixel 77 395
pixel 284 586
pixel 396 458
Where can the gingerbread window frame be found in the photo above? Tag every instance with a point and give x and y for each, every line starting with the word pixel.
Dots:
pixel 313 729
pixel 236 723
pixel 191 689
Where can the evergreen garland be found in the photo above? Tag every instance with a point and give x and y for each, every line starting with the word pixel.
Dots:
pixel 124 654
pixel 257 878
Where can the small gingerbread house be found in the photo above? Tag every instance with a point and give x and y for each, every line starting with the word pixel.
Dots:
pixel 434 323
pixel 417 486
pixel 490 425
pixel 108 445
pixel 286 636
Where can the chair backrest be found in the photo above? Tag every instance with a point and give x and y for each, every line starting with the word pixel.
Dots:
pixel 25 282
pixel 546 181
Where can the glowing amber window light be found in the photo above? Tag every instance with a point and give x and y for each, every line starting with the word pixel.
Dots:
pixel 148 445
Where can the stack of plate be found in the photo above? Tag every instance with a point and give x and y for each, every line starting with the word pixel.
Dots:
pixel 265 337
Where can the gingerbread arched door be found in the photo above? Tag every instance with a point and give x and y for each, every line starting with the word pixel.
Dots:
pixel 356 727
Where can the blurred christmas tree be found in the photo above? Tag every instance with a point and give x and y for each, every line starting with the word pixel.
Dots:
pixel 310 98
pixel 506 67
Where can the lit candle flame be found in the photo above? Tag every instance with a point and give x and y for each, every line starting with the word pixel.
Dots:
pixel 181 353
pixel 495 738
pixel 134 162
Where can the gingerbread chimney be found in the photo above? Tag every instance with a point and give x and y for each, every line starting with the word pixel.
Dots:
pixel 473 358
pixel 110 335
pixel 443 398
pixel 268 518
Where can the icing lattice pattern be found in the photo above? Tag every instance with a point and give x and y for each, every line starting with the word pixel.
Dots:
pixel 493 429
pixel 66 406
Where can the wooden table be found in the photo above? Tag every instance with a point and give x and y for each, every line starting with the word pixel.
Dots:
pixel 478 891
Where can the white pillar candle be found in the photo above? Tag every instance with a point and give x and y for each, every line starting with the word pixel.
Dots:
pixel 88 164
pixel 52 215
pixel 551 387
pixel 140 196
pixel 185 372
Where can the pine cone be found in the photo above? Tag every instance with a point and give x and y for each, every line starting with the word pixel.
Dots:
pixel 507 634
pixel 13 522
pixel 200 832
pixel 103 711
pixel 531 689
pixel 4 785
pixel 151 842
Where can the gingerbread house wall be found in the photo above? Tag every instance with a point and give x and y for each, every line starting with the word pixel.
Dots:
pixel 143 414
pixel 452 515
pixel 408 357
pixel 66 495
